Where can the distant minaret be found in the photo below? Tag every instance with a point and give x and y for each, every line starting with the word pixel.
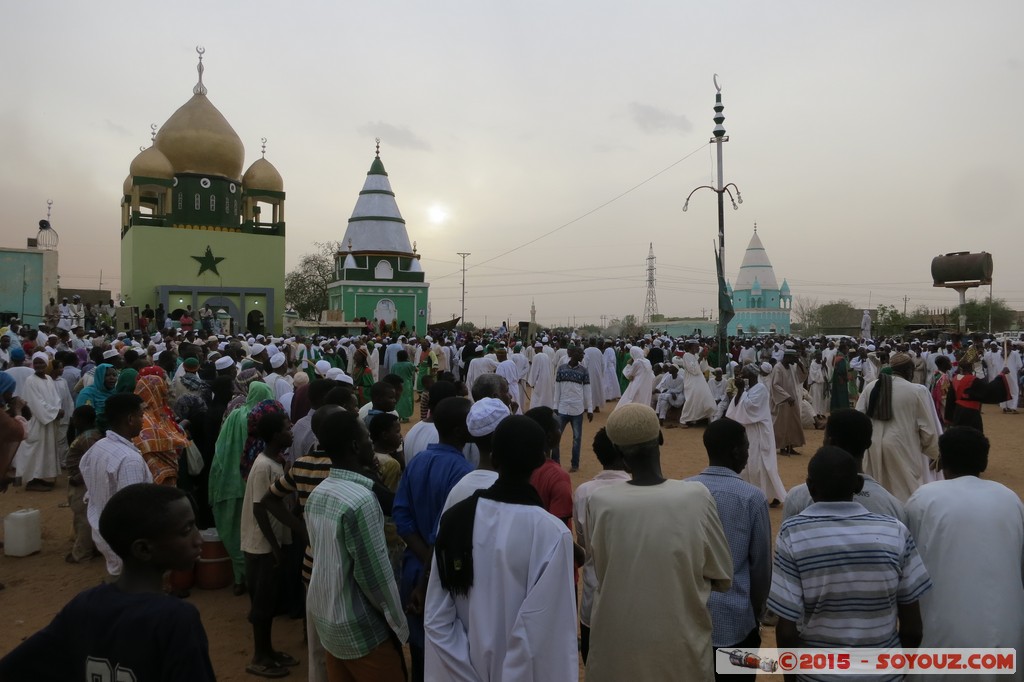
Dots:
pixel 533 312
pixel 651 306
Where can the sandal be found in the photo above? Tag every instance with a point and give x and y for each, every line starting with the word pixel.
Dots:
pixel 271 670
pixel 284 659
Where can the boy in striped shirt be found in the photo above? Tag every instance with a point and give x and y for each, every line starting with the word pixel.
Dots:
pixel 844 577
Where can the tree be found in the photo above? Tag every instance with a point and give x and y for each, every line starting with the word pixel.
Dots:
pixel 889 321
pixel 806 311
pixel 978 314
pixel 305 287
pixel 837 315
pixel 631 326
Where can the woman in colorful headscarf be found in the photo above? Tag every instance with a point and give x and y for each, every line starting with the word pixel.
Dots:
pixel 241 388
pixel 362 375
pixel 96 394
pixel 126 380
pixel 254 444
pixel 226 485
pixel 161 439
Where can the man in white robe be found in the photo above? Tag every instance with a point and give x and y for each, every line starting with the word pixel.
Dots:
pixel 610 374
pixel 816 386
pixel 658 550
pixel 670 392
pixel 508 369
pixel 542 381
pixel 501 604
pixel 752 408
pixel 906 431
pixel 37 458
pixel 970 533
pixel 786 397
pixel 523 367
pixel 64 311
pixel 480 365
pixel 641 379
pixel 699 404
pixel 593 360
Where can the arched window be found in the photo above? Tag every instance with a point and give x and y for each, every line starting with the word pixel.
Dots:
pixel 383 270
pixel 198 203
pixel 213 202
pixel 181 198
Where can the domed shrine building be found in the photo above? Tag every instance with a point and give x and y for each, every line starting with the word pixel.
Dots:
pixel 195 230
pixel 761 305
pixel 378 276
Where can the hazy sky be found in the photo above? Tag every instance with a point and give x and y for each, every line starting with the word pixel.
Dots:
pixel 866 137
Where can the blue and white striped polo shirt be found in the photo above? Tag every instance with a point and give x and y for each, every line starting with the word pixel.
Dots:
pixel 840 572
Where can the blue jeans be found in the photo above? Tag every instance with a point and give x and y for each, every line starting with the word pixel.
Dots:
pixel 577 435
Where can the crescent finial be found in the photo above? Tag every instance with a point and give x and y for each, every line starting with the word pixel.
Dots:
pixel 717 86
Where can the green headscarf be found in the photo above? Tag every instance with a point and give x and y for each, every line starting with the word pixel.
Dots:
pixel 126 381
pixel 225 477
pixel 96 394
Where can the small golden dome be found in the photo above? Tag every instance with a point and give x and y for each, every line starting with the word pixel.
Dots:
pixel 263 175
pixel 151 163
pixel 198 139
pixel 128 185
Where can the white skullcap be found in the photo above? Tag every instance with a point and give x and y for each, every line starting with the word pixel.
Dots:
pixel 485 415
pixel 334 373
pixel 344 378
pixel 223 363
pixel 257 349
pixel 40 354
pixel 322 367
pixel 632 424
pixel 871 348
pixel 107 354
pixel 277 360
pixel 538 345
pixel 222 346
pixel 479 348
pixel 766 368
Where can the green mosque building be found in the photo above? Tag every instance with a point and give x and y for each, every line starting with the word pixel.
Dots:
pixel 378 273
pixel 196 230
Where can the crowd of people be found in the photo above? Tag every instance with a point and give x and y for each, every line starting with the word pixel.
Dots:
pixel 462 548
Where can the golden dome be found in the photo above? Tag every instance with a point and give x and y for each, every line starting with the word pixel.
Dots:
pixel 198 139
pixel 151 163
pixel 263 175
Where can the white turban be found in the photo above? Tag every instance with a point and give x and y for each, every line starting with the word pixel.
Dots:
pixel 277 360
pixel 485 415
pixel 223 363
pixel 322 367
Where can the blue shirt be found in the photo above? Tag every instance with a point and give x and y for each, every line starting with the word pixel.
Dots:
pixel 424 487
pixel 743 510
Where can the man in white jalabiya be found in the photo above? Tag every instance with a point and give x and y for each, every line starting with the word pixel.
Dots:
pixel 541 380
pixel 970 533
pixel 1012 364
pixel 500 544
pixel 641 379
pixel 670 392
pixel 699 404
pixel 752 407
pixel 906 429
pixel 610 373
pixel 593 360
pixel 36 460
pixel 816 386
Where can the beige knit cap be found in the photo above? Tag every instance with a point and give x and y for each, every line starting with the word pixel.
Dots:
pixel 633 424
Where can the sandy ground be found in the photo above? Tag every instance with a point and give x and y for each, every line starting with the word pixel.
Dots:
pixel 38 586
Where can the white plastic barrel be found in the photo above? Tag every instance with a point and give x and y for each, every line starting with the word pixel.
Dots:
pixel 23 533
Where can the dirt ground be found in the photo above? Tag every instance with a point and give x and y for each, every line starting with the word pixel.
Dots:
pixel 39 585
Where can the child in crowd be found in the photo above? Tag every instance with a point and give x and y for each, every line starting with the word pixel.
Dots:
pixel 128 629
pixel 84 421
pixel 262 570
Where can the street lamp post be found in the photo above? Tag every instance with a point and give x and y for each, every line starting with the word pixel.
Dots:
pixel 722 189
pixel 462 319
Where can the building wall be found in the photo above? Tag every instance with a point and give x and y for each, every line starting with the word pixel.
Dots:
pixel 358 300
pixel 761 320
pixel 154 257
pixel 28 280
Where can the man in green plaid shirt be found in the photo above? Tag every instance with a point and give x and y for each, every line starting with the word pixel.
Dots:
pixel 353 597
